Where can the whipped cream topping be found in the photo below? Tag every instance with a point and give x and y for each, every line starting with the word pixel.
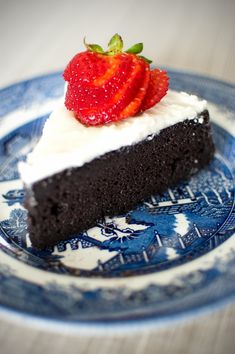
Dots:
pixel 66 143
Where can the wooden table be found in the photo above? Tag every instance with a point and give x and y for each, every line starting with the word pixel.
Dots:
pixel 39 37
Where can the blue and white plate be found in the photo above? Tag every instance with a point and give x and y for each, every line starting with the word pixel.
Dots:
pixel 173 255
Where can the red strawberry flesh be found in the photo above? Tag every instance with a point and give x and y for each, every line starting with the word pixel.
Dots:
pixel 103 99
pixel 157 89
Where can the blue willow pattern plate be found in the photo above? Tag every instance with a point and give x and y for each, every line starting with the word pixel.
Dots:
pixel 171 256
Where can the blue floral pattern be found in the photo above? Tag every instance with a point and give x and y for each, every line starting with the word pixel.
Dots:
pixel 16 226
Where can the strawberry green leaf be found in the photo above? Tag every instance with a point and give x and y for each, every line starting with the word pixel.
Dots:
pixel 93 47
pixel 146 59
pixel 115 44
pixel 135 49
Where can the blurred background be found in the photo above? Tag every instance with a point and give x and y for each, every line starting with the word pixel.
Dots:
pixel 38 37
pixel 41 36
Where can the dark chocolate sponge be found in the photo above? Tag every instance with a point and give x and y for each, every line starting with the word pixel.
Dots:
pixel 71 201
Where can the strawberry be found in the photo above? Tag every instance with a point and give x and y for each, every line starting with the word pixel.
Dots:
pixel 105 87
pixel 157 88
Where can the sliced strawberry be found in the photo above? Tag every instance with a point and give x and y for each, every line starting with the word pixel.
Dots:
pixel 105 87
pixel 92 91
pixel 157 89
pixel 103 99
pixel 140 92
pixel 112 110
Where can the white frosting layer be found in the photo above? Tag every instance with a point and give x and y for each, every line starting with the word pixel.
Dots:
pixel 66 143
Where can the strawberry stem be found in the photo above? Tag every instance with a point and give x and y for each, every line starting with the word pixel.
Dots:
pixel 115 46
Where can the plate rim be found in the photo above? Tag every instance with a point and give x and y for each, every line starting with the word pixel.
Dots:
pixel 108 327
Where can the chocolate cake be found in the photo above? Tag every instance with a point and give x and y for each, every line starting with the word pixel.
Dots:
pixel 79 174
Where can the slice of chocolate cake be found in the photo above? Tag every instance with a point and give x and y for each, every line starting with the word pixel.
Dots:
pixel 78 174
